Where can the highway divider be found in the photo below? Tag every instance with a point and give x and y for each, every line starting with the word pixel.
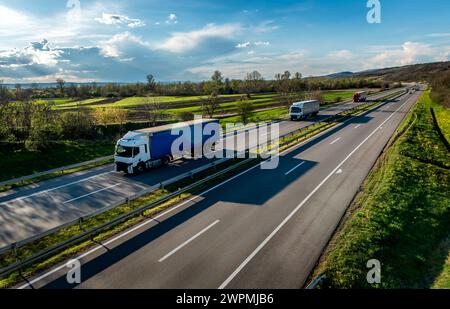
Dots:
pixel 286 140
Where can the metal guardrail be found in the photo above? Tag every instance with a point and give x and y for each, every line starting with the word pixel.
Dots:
pixel 15 246
pixel 55 170
pixel 90 233
pixel 316 283
pixel 76 165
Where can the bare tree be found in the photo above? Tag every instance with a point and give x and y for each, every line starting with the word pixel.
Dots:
pixel 253 82
pixel 60 83
pixel 210 104
pixel 151 83
pixel 154 108
pixel 285 89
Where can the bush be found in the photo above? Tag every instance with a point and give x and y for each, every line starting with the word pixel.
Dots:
pixel 77 125
pixel 186 116
pixel 42 137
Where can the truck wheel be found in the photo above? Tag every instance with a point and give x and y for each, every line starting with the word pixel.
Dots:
pixel 165 160
pixel 140 168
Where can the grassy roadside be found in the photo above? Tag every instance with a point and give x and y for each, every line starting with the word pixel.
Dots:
pixel 53 175
pixel 67 233
pixel 401 217
pixel 23 162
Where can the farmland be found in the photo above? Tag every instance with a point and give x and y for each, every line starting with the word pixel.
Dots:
pixel 174 105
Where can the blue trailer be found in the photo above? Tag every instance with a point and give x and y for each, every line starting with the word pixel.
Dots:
pixel 143 149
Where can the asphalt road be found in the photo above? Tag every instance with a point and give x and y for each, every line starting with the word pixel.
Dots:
pixel 259 229
pixel 33 209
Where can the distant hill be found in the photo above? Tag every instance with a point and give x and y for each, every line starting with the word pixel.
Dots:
pixel 407 73
pixel 341 75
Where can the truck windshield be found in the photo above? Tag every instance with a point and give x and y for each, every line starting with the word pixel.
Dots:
pixel 296 110
pixel 123 151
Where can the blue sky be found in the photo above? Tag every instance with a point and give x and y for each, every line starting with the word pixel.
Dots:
pixel 122 41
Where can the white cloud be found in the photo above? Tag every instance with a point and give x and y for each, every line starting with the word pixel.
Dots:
pixel 243 45
pixel 121 44
pixel 439 35
pixel 262 43
pixel 265 27
pixel 181 42
pixel 341 54
pixel 407 53
pixel 116 19
pixel 38 53
pixel 172 19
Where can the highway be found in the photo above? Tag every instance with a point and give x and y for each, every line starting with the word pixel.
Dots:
pixel 33 209
pixel 258 229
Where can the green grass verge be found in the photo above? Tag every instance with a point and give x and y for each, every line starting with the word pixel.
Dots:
pixel 53 175
pixel 23 162
pixel 401 215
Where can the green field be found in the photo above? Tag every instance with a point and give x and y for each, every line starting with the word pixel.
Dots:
pixel 23 162
pixel 193 104
pixel 402 215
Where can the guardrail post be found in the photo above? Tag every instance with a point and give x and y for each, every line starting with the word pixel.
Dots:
pixel 80 223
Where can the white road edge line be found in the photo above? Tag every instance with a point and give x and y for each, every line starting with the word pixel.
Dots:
pixel 335 141
pixel 137 227
pixel 293 169
pixel 56 188
pixel 356 127
pixel 85 195
pixel 188 241
pixel 283 223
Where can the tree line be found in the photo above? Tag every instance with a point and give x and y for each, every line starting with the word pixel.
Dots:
pixel 253 82
pixel 24 118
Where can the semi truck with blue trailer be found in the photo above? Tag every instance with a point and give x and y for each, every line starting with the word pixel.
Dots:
pixel 143 149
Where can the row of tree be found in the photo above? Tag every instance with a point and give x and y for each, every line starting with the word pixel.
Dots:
pixel 253 82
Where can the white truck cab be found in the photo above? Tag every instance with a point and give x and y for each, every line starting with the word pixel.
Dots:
pixel 132 152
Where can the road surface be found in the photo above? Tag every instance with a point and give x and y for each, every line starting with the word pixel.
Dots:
pixel 30 210
pixel 258 229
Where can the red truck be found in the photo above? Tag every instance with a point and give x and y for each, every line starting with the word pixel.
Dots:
pixel 360 96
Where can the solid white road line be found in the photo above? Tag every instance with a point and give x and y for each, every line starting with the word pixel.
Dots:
pixel 335 141
pixel 188 241
pixel 356 127
pixel 137 227
pixel 55 188
pixel 85 195
pixel 293 169
pixel 283 223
